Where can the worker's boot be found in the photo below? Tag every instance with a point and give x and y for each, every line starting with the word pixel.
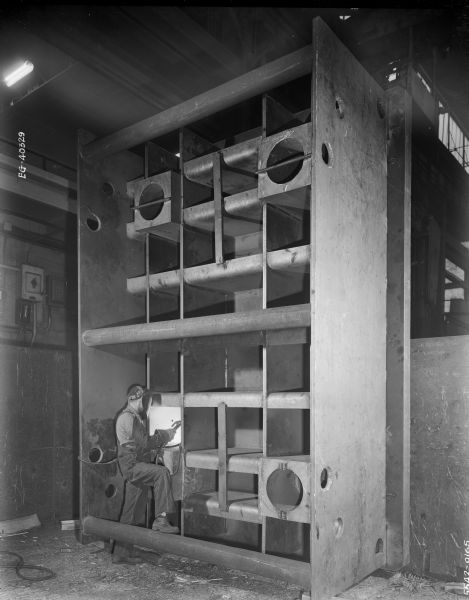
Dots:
pixel 162 525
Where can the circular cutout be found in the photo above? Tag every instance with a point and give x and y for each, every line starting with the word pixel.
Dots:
pixel 326 479
pixel 326 154
pixel 379 546
pixel 380 108
pixel 107 188
pixel 93 222
pixel 95 455
pixel 150 196
pixel 285 160
pixel 338 527
pixel 110 490
pixel 284 489
pixel 339 106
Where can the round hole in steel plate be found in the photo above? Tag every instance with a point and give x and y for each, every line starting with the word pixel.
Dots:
pixel 95 454
pixel 326 479
pixel 326 154
pixel 93 222
pixel 150 194
pixel 280 171
pixel 284 489
pixel 110 490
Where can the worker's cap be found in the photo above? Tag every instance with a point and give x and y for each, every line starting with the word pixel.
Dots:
pixel 135 392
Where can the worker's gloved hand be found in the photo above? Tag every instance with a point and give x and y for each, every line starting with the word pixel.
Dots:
pixel 166 435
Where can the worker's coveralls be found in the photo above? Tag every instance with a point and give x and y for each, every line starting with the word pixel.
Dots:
pixel 134 448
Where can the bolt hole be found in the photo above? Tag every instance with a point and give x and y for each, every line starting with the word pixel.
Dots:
pixel 326 479
pixel 380 108
pixel 339 106
pixel 110 490
pixel 326 153
pixel 107 188
pixel 379 546
pixel 93 222
pixel 338 527
pixel 95 455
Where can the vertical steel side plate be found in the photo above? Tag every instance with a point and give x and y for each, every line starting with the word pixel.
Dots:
pixel 348 303
pixel 106 257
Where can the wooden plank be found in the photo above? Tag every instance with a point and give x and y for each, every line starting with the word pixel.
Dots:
pixel 241 88
pixel 399 105
pixel 222 458
pixel 348 330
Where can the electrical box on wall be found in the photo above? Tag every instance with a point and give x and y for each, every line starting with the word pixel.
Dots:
pixel 24 313
pixel 32 283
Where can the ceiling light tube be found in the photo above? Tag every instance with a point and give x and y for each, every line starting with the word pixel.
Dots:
pixel 18 73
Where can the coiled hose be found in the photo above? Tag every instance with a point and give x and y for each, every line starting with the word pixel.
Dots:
pixel 12 560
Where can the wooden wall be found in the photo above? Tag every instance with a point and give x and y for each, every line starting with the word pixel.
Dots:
pixel 439 454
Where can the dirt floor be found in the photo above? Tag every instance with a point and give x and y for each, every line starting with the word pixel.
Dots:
pixel 85 572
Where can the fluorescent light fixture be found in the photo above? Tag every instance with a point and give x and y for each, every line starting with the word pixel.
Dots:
pixel 18 73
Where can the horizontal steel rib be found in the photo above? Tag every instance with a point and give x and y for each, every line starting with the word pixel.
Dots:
pixel 240 322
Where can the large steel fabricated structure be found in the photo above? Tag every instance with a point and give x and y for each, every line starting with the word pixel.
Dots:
pixel 246 282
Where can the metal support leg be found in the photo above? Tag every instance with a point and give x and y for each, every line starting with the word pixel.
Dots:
pixel 222 458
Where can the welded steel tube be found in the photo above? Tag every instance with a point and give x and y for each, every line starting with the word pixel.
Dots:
pixel 268 76
pixel 266 565
pixel 286 259
pixel 240 322
pixel 236 399
pixel 243 156
pixel 242 204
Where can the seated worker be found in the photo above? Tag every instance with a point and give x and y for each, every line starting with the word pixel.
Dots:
pixel 134 447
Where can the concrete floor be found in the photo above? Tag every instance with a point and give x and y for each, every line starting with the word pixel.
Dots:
pixel 85 572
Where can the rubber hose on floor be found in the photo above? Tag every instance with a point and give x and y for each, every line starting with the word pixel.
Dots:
pixel 12 560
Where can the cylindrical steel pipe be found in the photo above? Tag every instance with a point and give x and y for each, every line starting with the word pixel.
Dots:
pixel 239 205
pixel 242 156
pixel 240 322
pixel 268 76
pixel 265 565
pixel 289 259
pixel 236 399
